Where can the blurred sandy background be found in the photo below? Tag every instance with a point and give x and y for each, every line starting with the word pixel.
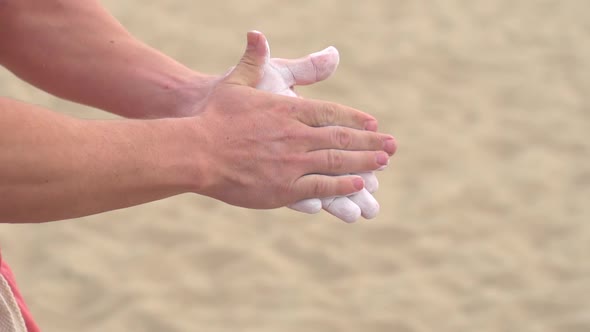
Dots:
pixel 485 208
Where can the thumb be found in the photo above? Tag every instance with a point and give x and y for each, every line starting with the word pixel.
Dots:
pixel 310 69
pixel 249 70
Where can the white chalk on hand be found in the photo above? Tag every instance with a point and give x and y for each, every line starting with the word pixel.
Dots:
pixel 310 205
pixel 371 182
pixel 367 203
pixel 343 208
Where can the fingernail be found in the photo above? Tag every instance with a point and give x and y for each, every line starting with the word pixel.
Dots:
pixel 382 158
pixel 389 145
pixel 358 183
pixel 253 37
pixel 371 125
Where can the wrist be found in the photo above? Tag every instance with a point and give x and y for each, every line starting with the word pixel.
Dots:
pixel 189 154
pixel 177 141
pixel 188 93
pixel 158 156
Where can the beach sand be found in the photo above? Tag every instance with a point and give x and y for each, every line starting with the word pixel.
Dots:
pixel 485 208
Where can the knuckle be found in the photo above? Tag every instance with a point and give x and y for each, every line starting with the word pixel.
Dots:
pixel 341 137
pixel 335 160
pixel 298 140
pixel 295 161
pixel 328 114
pixel 319 189
pixel 308 135
pixel 291 134
pixel 249 60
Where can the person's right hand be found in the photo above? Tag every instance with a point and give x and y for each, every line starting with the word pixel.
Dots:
pixel 268 151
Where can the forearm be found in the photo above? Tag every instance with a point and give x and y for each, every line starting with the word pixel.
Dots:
pixel 54 167
pixel 76 50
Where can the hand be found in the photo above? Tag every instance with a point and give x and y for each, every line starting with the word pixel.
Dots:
pixel 280 76
pixel 281 150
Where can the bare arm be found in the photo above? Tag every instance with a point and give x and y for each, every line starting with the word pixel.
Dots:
pixel 77 51
pixel 55 167
pixel 247 148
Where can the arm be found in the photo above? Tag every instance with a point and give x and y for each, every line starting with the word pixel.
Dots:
pixel 246 147
pixel 76 50
pixel 55 167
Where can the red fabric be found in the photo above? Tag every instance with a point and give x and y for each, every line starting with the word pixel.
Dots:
pixel 28 318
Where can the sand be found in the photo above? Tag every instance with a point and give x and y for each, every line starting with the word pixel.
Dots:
pixel 485 208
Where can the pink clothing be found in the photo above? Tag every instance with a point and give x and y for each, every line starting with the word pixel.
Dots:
pixel 6 273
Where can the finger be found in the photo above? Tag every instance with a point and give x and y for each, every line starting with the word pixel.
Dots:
pixel 309 69
pixel 343 138
pixel 315 113
pixel 289 92
pixel 371 182
pixel 339 162
pixel 342 208
pixel 314 186
pixel 310 205
pixel 249 70
pixel 366 202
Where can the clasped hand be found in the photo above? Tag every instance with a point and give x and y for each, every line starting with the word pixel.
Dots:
pixel 290 151
pixel 280 77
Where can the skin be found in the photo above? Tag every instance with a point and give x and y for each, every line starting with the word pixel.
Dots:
pixel 280 76
pixel 214 136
